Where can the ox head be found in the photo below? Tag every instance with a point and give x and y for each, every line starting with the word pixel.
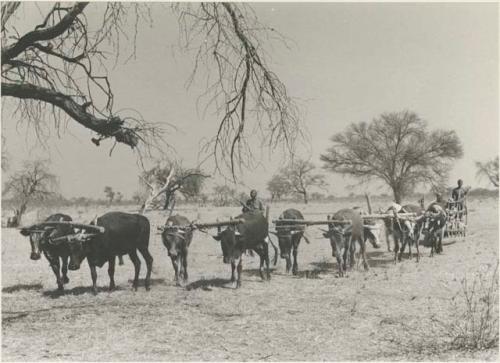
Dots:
pixel 174 237
pixel 39 237
pixel 286 236
pixel 229 241
pixel 337 234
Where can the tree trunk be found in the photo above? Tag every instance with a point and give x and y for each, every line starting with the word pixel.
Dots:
pixel 398 197
pixel 168 198
pixel 305 197
pixel 19 213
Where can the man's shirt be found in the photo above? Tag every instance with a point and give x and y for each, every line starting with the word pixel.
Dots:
pixel 254 204
pixel 458 194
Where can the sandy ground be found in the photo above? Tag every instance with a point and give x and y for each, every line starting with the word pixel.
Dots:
pixel 386 313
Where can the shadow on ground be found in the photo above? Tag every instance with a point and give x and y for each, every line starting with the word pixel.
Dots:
pixel 21 287
pixel 207 284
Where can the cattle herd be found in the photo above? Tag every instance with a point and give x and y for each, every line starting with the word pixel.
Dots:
pixel 66 244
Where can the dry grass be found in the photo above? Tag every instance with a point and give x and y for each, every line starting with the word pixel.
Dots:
pixel 376 315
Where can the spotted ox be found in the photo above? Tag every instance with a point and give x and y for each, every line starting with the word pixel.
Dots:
pixel 343 235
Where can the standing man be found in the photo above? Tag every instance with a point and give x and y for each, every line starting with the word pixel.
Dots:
pixel 458 194
pixel 253 204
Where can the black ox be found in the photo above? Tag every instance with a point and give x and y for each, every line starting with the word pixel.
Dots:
pixel 115 234
pixel 250 235
pixel 289 237
pixel 57 254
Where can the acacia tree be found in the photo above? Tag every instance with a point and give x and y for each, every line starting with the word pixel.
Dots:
pixel 301 177
pixel 57 71
pixel 278 186
pixel 397 149
pixel 488 169
pixel 32 183
pixel 167 178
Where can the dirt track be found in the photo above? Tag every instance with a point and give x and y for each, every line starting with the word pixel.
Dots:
pixel 382 314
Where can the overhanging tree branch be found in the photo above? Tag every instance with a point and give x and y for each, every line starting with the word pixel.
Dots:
pixel 107 128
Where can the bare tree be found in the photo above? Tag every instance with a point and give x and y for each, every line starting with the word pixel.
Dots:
pixel 278 186
pixel 488 169
pixel 173 177
pixel 301 177
pixel 397 149
pixel 32 183
pixel 58 71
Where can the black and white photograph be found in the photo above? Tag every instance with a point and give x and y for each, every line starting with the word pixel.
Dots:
pixel 249 181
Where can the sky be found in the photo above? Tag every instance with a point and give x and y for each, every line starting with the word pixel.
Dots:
pixel 346 62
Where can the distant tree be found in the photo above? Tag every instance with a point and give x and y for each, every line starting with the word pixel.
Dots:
pixel 118 197
pixel 32 183
pixel 396 148
pixel 109 193
pixel 315 196
pixel 489 170
pixel 224 195
pixel 167 178
pixel 301 177
pixel 278 186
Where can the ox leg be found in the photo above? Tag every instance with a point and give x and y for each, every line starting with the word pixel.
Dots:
pixel 338 256
pixel 262 250
pixel 396 247
pixel 93 274
pixel 137 267
pixel 417 243
pixel 433 243
pixel 185 266
pixel 175 266
pixel 233 267
pixel 404 242
pixel 410 242
pixel 178 272
pixel 239 269
pixel 363 254
pixel 65 269
pixel 149 266
pixel 347 253
pixel 387 240
pixel 295 267
pixel 54 264
pixel 288 263
pixel 111 273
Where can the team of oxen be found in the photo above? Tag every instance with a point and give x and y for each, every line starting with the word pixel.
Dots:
pixel 66 244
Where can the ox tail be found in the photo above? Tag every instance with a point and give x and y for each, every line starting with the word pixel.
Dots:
pixel 275 259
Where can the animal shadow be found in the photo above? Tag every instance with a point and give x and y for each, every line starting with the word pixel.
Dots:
pixel 152 282
pixel 207 284
pixel 21 287
pixel 256 271
pixel 79 290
